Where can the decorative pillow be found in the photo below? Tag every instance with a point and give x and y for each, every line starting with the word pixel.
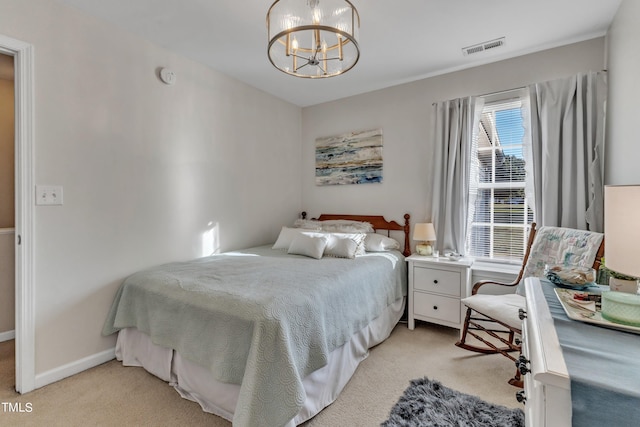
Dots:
pixel 358 239
pixel 375 242
pixel 311 246
pixel 308 224
pixel 287 235
pixel 346 226
pixel 341 247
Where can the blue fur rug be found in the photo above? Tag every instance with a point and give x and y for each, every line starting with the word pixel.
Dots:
pixel 427 403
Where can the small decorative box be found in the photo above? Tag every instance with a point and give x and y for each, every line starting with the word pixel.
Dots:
pixel 621 307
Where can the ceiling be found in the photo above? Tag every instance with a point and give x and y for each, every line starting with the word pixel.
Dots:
pixel 400 41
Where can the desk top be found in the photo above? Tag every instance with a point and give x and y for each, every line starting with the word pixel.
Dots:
pixel 441 260
pixel 603 366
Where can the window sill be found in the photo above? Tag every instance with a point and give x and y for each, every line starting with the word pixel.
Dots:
pixel 496 267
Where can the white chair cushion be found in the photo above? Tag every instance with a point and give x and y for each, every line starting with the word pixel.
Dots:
pixel 500 307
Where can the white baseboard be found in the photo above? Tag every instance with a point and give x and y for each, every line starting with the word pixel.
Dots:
pixel 7 336
pixel 73 368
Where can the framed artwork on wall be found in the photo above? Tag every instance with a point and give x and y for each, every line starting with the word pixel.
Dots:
pixel 349 158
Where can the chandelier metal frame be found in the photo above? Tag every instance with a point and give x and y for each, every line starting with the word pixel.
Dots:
pixel 319 58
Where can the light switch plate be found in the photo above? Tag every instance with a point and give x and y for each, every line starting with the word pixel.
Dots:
pixel 49 195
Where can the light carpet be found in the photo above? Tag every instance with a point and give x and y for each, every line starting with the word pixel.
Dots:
pixel 114 395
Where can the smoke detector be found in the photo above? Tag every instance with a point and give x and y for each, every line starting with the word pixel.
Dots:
pixel 481 47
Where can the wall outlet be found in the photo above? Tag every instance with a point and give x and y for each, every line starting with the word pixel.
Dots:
pixel 49 195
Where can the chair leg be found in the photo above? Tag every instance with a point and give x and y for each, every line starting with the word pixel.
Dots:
pixel 517 381
pixel 465 328
pixel 491 348
pixel 462 342
pixel 471 324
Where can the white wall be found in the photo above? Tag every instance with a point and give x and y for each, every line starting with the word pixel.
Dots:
pixel 147 169
pixel 406 115
pixel 623 150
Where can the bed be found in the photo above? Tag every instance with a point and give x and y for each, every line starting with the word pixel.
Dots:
pixel 266 336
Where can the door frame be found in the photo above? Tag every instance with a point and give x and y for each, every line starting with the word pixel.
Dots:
pixel 24 213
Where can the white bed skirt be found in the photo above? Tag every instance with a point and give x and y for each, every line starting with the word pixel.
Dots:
pixel 194 382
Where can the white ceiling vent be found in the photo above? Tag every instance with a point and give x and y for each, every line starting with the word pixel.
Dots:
pixel 481 47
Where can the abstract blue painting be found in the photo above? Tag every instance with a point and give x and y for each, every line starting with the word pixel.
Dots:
pixel 350 158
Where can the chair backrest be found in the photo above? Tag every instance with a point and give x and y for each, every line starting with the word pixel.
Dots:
pixel 532 235
pixel 559 245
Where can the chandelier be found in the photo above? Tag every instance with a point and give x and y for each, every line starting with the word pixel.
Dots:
pixel 313 38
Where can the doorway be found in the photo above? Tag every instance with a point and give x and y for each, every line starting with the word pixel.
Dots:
pixel 23 236
pixel 7 209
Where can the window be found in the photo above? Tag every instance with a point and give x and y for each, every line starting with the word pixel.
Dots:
pixel 499 212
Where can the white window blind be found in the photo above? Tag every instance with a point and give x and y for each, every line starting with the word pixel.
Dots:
pixel 501 215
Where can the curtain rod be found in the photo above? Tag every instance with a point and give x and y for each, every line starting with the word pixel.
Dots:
pixel 486 94
pixel 502 91
pixel 604 70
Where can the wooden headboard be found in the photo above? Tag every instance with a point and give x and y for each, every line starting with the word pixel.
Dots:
pixel 378 222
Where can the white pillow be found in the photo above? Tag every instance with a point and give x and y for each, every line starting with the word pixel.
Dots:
pixel 379 243
pixel 309 224
pixel 341 247
pixel 357 238
pixel 286 237
pixel 311 246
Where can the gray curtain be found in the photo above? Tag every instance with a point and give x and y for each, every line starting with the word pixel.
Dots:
pixel 567 142
pixel 455 126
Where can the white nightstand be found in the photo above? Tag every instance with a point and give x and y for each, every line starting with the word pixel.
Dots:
pixel 436 286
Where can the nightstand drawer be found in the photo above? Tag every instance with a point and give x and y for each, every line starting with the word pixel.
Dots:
pixel 439 281
pixel 437 307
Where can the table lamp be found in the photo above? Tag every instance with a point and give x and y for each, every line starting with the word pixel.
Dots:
pixel 425 233
pixel 622 257
pixel 622 230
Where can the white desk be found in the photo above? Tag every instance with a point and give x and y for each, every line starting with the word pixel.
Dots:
pixel 547 387
pixel 580 374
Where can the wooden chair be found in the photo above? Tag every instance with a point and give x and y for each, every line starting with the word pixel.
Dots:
pixel 494 320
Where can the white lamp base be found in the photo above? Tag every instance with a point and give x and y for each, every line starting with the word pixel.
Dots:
pixel 424 249
pixel 621 285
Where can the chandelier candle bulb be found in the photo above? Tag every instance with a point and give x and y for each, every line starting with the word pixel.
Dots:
pixel 295 56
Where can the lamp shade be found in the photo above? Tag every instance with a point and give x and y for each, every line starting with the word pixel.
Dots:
pixel 622 229
pixel 424 232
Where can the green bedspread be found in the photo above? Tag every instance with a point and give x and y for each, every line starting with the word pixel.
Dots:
pixel 259 318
